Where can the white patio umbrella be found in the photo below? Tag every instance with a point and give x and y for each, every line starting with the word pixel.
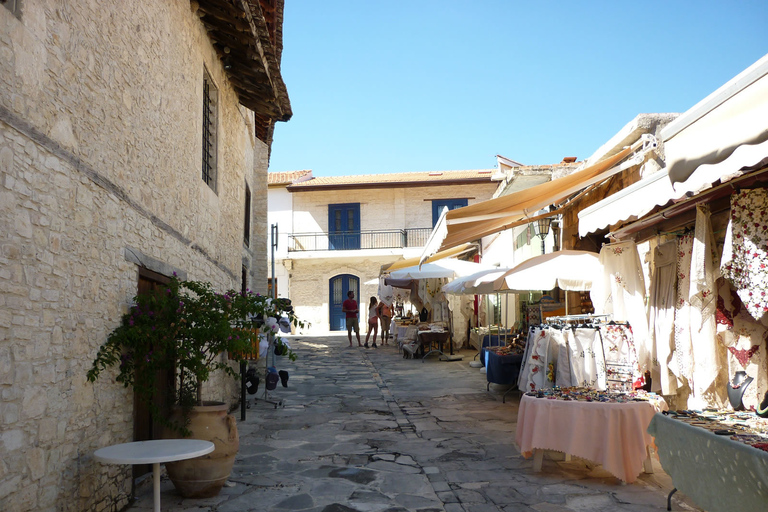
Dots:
pixel 445 268
pixel 479 283
pixel 567 269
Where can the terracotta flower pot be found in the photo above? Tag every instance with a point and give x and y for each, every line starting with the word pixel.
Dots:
pixel 203 477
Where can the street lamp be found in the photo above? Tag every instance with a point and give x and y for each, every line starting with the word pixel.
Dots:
pixel 541 228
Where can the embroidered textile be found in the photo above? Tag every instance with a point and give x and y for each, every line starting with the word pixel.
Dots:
pixel 620 292
pixel 621 367
pixel 743 356
pixel 745 252
pixel 586 358
pixel 746 334
pixel 702 298
pixel 662 317
pixel 683 355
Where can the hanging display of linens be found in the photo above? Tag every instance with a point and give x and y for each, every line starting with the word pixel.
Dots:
pixel 557 355
pixel 661 319
pixel 708 357
pixel 745 251
pixel 620 292
pixel 587 358
pixel 683 355
pixel 621 363
pixel 745 340
pixel 538 356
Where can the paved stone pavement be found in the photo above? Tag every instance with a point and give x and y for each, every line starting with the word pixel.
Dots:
pixel 366 430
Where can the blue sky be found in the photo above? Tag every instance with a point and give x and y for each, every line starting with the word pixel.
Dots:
pixel 422 85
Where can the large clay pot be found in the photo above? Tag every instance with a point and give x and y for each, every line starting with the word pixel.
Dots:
pixel 203 477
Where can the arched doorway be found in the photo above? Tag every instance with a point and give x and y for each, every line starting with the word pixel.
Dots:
pixel 338 287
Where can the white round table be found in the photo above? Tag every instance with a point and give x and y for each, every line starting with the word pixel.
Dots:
pixel 153 452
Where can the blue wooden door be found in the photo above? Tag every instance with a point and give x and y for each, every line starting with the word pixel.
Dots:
pixel 338 287
pixel 439 204
pixel 343 226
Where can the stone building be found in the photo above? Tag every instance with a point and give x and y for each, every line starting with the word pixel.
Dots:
pixel 344 228
pixel 134 143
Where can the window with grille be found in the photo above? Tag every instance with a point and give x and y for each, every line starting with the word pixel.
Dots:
pixel 13 5
pixel 209 131
pixel 247 225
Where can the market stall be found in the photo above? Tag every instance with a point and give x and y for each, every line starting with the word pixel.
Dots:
pixel 436 310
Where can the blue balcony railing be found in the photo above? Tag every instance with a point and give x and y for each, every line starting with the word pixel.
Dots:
pixel 356 240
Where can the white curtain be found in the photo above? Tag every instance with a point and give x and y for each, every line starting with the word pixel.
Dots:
pixel 620 292
pixel 661 320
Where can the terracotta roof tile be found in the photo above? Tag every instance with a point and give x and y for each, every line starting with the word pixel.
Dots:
pixel 286 178
pixel 397 177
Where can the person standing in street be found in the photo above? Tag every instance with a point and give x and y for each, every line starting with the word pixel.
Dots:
pixel 350 309
pixel 373 321
pixel 385 315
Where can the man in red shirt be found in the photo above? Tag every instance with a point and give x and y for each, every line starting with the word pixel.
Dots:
pixel 349 307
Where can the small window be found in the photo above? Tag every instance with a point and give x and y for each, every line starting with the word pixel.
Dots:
pixel 13 5
pixel 210 97
pixel 439 204
pixel 247 224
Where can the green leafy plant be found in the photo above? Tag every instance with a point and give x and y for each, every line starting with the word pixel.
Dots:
pixel 183 329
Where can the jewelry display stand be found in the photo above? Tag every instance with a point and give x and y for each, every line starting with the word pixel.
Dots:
pixel 270 352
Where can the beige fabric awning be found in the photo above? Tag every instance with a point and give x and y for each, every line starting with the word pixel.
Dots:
pixel 469 223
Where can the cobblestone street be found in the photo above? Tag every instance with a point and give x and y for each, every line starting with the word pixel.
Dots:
pixel 366 430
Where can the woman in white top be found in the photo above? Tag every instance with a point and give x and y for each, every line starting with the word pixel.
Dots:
pixel 373 321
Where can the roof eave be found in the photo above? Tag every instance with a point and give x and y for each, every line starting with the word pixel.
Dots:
pixel 391 184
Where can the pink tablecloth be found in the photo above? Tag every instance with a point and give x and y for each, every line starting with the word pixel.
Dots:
pixel 611 434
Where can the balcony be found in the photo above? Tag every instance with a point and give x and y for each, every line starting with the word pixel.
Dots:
pixel 359 240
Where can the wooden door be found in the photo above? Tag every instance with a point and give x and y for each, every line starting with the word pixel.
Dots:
pixel 338 287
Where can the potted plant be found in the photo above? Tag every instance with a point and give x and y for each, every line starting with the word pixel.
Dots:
pixel 183 330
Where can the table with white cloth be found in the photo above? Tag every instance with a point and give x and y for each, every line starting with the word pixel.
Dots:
pixel 717 473
pixel 613 434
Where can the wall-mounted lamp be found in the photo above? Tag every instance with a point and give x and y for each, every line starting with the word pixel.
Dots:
pixel 227 63
pixel 541 228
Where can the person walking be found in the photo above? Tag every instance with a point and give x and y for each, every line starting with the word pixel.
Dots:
pixel 385 315
pixel 373 321
pixel 350 309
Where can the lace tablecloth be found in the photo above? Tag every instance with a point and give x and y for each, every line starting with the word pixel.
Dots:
pixel 611 434
pixel 717 473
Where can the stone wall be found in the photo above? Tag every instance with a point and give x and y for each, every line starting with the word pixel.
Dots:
pixel 100 144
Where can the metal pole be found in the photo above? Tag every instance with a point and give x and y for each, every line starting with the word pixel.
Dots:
pixel 274 234
pixel 243 367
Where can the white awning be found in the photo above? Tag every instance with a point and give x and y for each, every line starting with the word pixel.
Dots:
pixel 640 198
pixel 709 132
pixel 630 202
pixel 445 268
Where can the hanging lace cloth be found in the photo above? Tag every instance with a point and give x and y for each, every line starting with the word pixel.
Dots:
pixel 587 364
pixel 706 355
pixel 534 376
pixel 622 372
pixel 523 377
pixel 661 319
pixel 745 251
pixel 683 355
pixel 556 343
pixel 620 292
